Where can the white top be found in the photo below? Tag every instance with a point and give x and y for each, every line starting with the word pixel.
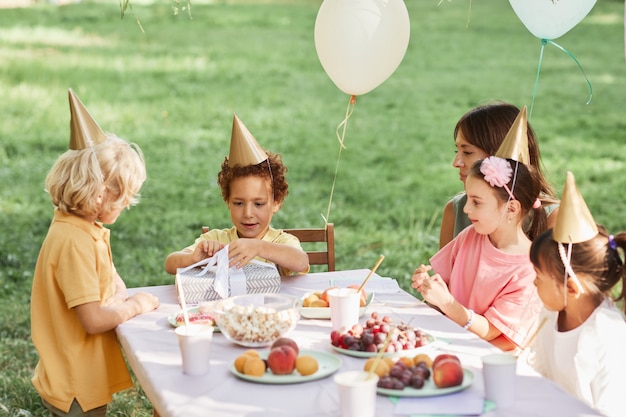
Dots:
pixel 587 362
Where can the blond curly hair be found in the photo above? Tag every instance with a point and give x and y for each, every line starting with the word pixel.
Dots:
pixel 114 168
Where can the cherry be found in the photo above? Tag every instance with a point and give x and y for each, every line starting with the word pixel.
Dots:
pixel 374 333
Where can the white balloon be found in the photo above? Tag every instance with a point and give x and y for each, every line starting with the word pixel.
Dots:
pixel 550 19
pixel 360 43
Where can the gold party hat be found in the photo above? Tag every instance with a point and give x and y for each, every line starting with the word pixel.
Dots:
pixel 515 143
pixel 574 222
pixel 244 149
pixel 84 131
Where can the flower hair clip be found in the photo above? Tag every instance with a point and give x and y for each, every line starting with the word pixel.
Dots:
pixel 497 172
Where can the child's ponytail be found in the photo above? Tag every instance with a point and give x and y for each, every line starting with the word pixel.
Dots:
pixel 615 265
pixel 538 221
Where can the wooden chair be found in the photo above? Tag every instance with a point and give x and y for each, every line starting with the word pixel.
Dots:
pixel 313 235
pixel 326 235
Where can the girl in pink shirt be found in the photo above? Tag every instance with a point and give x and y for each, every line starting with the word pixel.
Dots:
pixel 483 278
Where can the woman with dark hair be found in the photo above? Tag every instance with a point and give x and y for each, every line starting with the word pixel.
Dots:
pixel 477 135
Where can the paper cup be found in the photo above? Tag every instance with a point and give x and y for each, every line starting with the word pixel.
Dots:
pixel 195 347
pixel 357 393
pixel 345 304
pixel 499 371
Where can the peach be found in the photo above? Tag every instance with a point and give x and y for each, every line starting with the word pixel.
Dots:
pixel 310 299
pixel 382 367
pixel 306 365
pixel 240 361
pixel 254 366
pixel 444 356
pixel 324 295
pixel 423 357
pixel 363 301
pixel 447 372
pixel 282 360
pixel 286 341
pixel 390 362
pixel 319 303
pixel 406 360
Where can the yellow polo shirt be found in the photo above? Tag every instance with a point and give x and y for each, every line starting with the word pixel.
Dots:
pixel 74 267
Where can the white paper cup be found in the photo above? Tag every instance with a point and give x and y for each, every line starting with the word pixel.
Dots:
pixel 195 347
pixel 499 377
pixel 345 304
pixel 357 393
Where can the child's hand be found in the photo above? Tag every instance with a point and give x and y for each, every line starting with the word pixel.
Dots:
pixel 435 291
pixel 419 276
pixel 145 301
pixel 206 249
pixel 242 251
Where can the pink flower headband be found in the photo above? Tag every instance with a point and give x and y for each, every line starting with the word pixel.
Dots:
pixel 497 172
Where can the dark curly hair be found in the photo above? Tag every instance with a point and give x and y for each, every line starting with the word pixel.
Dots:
pixel 272 169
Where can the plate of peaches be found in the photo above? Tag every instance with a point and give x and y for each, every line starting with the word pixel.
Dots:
pixel 284 363
pixel 315 304
pixel 420 376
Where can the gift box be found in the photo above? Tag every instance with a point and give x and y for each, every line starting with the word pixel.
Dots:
pixel 199 284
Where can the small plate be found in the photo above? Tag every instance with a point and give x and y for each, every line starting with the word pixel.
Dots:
pixel 429 389
pixel 172 318
pixel 324 312
pixel 328 365
pixel 361 354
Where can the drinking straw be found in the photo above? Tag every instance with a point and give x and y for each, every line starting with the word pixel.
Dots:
pixel 380 260
pixel 181 296
pixel 379 355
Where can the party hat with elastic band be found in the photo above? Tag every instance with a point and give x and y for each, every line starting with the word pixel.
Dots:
pixel 244 149
pixel 574 224
pixel 84 131
pixel 515 143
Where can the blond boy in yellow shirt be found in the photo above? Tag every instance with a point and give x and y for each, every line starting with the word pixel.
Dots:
pixel 78 298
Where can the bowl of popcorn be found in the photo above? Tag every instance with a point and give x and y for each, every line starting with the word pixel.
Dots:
pixel 256 320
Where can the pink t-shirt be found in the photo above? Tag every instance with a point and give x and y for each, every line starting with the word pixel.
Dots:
pixel 494 284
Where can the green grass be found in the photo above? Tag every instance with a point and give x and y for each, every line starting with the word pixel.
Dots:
pixel 174 88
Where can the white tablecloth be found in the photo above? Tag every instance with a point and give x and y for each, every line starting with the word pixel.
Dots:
pixel 152 351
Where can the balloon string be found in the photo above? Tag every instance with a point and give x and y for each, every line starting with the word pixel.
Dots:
pixel 532 102
pixel 577 63
pixel 469 13
pixel 340 138
pixel 543 44
pixel 344 122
